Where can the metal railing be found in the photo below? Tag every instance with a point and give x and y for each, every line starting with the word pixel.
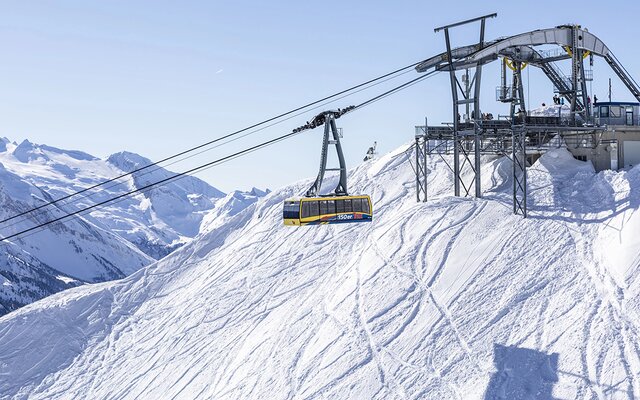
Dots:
pixel 504 93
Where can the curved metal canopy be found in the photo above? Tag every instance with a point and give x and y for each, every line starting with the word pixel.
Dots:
pixel 521 47
pixel 560 35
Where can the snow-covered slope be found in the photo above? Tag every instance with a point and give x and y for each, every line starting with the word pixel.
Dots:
pixel 110 242
pixel 227 207
pixel 75 247
pixel 60 255
pixel 450 299
pixel 25 279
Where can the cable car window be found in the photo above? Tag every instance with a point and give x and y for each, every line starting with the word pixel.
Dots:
pixel 347 205
pixel 323 207
pixel 291 210
pixel 365 206
pixel 313 209
pixel 357 205
pixel 339 206
pixel 295 210
pixel 331 207
pixel 305 209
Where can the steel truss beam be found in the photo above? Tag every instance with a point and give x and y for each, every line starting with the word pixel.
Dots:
pixel 519 162
pixel 421 169
pixel 498 138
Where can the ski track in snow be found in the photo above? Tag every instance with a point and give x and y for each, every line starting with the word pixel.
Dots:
pixel 407 307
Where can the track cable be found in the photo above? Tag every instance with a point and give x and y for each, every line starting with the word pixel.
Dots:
pixel 203 145
pixel 194 170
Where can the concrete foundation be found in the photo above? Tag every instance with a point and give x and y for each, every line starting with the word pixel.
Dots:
pixel 616 148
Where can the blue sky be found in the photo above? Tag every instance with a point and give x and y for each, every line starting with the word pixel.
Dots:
pixel 157 77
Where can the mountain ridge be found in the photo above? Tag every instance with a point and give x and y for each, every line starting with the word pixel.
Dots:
pixel 431 300
pixel 108 243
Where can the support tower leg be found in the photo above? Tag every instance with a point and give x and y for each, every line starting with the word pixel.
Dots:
pixel 519 158
pixel 421 168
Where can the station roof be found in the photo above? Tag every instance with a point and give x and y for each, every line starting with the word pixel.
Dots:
pixel 617 103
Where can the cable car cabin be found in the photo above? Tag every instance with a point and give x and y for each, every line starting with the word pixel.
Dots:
pixel 327 210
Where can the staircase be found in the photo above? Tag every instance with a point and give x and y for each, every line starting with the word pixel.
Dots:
pixel 561 82
pixel 624 76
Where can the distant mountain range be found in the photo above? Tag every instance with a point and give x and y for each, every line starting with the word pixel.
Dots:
pixel 108 243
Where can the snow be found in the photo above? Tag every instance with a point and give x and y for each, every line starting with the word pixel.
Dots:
pixel 553 110
pixel 108 243
pixel 152 220
pixel 74 248
pixel 227 207
pixel 456 298
pixel 65 279
pixel 26 279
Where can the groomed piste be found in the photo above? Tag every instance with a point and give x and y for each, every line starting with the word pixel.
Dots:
pixel 548 305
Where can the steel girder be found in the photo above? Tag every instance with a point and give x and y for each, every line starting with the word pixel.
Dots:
pixel 517 47
pixel 560 35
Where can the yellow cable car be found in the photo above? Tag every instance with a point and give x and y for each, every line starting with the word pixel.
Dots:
pixel 327 210
pixel 338 207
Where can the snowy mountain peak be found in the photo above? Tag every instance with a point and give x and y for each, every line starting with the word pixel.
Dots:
pixel 259 193
pixel 75 154
pixel 127 161
pixel 28 151
pixel 6 144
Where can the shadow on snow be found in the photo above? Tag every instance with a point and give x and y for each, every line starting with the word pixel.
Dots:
pixel 522 374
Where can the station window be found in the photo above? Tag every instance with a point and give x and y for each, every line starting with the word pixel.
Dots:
pixel 615 111
pixel 604 111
